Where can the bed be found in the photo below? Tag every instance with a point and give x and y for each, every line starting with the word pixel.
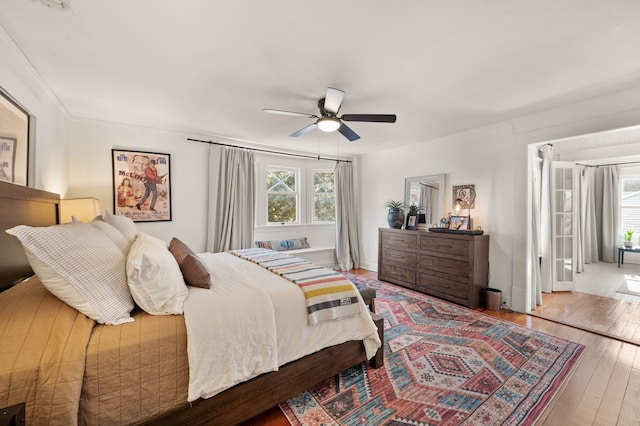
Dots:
pixel 61 367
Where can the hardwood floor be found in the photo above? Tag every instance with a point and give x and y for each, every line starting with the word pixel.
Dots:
pixel 597 305
pixel 604 388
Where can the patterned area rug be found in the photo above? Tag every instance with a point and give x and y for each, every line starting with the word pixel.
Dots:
pixel 444 365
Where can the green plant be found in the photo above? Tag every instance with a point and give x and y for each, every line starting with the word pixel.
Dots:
pixel 395 205
pixel 628 235
pixel 415 208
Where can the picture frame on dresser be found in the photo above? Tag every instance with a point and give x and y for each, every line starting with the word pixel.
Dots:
pixel 459 222
pixel 14 140
pixel 412 222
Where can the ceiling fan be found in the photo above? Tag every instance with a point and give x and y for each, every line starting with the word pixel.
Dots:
pixel 329 121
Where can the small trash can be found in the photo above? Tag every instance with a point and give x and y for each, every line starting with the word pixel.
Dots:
pixel 494 299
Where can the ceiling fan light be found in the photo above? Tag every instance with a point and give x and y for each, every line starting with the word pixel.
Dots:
pixel 329 124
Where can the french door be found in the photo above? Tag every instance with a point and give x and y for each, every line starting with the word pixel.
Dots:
pixel 564 209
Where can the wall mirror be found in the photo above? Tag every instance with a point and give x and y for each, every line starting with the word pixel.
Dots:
pixel 427 191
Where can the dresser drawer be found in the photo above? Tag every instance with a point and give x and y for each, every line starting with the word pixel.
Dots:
pixel 440 286
pixel 399 257
pixel 453 268
pixel 406 240
pixel 393 273
pixel 447 246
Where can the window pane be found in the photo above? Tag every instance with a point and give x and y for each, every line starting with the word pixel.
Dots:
pixel 324 208
pixel 324 204
pixel 631 192
pixel 630 206
pixel 281 180
pixel 281 208
pixel 323 182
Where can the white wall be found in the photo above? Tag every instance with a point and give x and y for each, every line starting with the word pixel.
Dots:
pixel 49 148
pixel 495 160
pixel 90 174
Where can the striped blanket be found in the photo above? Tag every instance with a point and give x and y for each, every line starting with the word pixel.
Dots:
pixel 329 294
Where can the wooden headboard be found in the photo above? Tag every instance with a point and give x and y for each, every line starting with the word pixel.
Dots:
pixel 20 205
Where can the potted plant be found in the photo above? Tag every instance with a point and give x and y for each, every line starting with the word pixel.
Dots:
pixel 395 217
pixel 628 236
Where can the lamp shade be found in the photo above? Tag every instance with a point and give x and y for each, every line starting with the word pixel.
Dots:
pixel 84 209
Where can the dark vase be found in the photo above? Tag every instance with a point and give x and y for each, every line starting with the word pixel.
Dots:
pixel 395 218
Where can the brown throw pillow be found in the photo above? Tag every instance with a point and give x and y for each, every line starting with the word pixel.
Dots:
pixel 192 267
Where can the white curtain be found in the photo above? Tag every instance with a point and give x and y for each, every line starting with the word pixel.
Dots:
pixel 536 283
pixel 546 233
pixel 347 237
pixel 587 236
pixel 608 179
pixel 231 198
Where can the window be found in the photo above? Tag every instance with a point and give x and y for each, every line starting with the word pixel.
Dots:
pixel 324 198
pixel 630 204
pixel 282 195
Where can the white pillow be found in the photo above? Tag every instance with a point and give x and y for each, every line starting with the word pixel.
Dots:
pixel 123 224
pixel 112 233
pixel 154 277
pixel 60 287
pixel 88 261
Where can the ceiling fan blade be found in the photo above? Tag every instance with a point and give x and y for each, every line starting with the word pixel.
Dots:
pixel 371 118
pixel 333 100
pixel 304 130
pixel 348 133
pixel 296 114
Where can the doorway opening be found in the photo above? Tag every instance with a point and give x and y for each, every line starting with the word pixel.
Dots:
pixel 601 297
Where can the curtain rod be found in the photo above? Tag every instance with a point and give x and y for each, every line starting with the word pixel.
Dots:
pixel 611 164
pixel 271 152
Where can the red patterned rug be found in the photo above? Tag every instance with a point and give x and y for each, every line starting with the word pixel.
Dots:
pixel 444 365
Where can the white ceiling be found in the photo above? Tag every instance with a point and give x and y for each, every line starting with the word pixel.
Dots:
pixel 209 67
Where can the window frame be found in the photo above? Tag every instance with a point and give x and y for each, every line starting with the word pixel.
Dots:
pixel 631 174
pixel 312 196
pixel 298 186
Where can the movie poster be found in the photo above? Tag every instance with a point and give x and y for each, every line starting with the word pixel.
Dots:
pixel 141 185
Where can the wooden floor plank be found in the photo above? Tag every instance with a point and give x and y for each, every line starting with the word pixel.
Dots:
pixel 617 386
pixel 630 409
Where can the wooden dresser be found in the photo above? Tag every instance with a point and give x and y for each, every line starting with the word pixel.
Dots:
pixel 454 267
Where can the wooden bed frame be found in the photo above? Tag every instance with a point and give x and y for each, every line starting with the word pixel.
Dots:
pixel 28 206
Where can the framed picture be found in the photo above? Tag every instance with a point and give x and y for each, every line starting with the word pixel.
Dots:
pixel 14 140
pixel 459 222
pixel 464 193
pixel 412 222
pixel 141 185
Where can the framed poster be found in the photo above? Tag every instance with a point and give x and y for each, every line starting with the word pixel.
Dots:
pixel 141 185
pixel 14 140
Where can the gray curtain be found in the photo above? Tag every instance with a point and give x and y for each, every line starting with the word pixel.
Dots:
pixel 347 237
pixel 608 200
pixel 546 233
pixel 231 198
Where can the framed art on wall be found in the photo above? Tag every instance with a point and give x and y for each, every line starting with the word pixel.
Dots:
pixel 464 193
pixel 14 140
pixel 141 185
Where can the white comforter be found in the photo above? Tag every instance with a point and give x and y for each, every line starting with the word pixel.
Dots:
pixel 252 321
